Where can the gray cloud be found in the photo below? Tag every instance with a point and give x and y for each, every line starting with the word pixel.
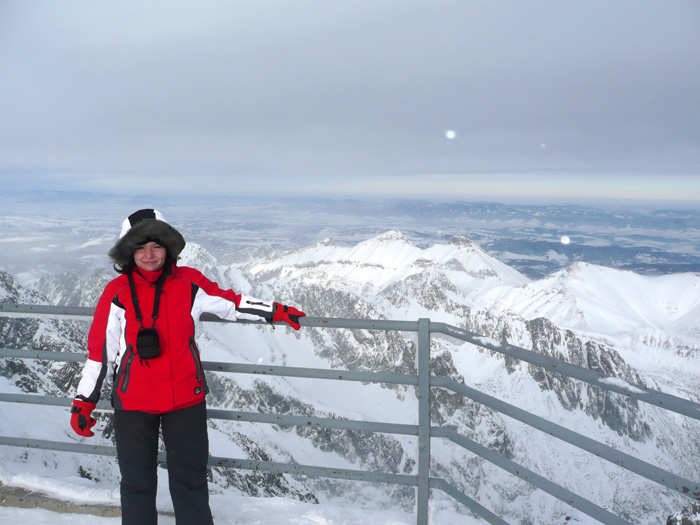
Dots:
pixel 100 94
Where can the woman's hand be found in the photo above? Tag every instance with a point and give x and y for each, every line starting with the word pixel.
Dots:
pixel 81 419
pixel 288 314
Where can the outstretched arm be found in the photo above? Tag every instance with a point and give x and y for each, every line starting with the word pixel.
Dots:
pixel 231 305
pixel 271 312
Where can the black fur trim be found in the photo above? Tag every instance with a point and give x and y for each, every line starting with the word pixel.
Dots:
pixel 145 231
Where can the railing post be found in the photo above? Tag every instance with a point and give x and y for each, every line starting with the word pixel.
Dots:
pixel 423 365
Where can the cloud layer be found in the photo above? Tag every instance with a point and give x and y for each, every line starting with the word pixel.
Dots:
pixel 297 95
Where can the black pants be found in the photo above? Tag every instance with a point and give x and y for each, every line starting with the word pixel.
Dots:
pixel 187 450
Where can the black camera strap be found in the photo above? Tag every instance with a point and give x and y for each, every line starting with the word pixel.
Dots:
pixel 156 299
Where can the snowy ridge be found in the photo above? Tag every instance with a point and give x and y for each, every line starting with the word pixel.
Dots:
pixel 386 259
pixel 605 300
pixel 197 257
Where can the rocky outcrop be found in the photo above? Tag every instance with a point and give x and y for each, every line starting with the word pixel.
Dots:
pixel 618 412
pixel 690 515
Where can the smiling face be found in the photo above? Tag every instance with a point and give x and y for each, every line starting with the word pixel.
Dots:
pixel 150 256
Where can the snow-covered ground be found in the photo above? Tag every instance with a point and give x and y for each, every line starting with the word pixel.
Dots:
pixel 248 511
pixel 241 510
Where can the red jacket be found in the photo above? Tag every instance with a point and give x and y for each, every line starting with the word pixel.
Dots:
pixel 175 378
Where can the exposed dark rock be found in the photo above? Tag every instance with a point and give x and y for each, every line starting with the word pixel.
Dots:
pixel 616 411
pixel 690 515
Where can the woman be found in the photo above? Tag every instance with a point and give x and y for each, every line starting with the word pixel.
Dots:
pixel 143 331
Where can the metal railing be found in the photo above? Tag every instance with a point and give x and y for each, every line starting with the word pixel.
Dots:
pixel 423 382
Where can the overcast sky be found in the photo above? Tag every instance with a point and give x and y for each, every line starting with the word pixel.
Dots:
pixel 447 98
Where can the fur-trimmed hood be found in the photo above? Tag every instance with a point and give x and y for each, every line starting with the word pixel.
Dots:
pixel 141 227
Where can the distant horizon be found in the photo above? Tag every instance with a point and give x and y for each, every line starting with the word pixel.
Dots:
pixel 648 204
pixel 65 229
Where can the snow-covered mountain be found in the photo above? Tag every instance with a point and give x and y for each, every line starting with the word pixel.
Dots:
pixel 594 298
pixel 653 322
pixel 589 315
pixel 376 264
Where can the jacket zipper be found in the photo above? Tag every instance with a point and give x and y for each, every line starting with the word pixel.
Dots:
pixel 197 363
pixel 127 369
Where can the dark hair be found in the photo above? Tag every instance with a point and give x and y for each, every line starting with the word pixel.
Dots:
pixel 129 267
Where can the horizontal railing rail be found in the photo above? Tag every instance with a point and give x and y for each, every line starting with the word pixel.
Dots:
pixel 423 383
pixel 242 368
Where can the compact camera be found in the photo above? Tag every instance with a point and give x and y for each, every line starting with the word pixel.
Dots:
pixel 147 343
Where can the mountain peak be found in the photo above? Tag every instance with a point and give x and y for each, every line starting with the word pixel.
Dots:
pixel 581 265
pixel 194 253
pixel 461 240
pixel 199 257
pixel 390 235
pixel 582 269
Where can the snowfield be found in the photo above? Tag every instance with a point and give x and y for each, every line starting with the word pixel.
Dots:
pixel 227 509
pixel 240 510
